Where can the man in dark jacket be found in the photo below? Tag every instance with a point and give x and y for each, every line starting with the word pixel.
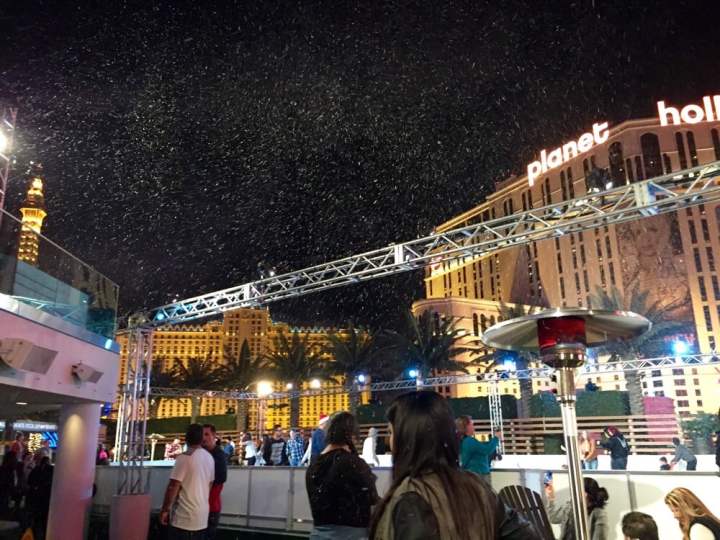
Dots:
pixel 275 452
pixel 210 443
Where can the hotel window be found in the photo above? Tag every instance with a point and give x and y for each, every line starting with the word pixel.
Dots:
pixel 651 155
pixel 629 169
pixel 612 272
pixel 476 325
pixel 562 288
pixel 571 187
pixel 705 230
pixel 559 263
pixel 639 168
pixel 607 246
pixel 693 233
pixel 548 194
pixel 710 258
pixel 698 263
pixel 708 321
pixel 617 163
pixel 668 164
pixel 483 322
pixel 562 186
pixel 703 290
pixel 585 280
pixel 583 260
pixel 716 142
pixel 692 149
pixel 681 150
pixel 716 288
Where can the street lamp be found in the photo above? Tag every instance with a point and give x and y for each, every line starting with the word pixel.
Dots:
pixel 315 384
pixel 562 336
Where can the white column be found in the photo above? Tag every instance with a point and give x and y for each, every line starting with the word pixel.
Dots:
pixel 74 472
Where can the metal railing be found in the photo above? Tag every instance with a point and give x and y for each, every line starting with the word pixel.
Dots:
pixel 48 278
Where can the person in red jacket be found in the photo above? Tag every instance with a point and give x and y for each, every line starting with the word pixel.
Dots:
pixel 210 443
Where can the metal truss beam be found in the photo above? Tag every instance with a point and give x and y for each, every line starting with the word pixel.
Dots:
pixel 133 413
pixel 644 364
pixel 668 193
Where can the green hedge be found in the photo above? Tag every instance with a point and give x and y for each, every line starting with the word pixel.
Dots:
pixel 611 403
pixel 477 407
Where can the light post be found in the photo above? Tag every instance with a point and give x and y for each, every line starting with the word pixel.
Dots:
pixel 562 336
pixel 264 389
pixel 7 133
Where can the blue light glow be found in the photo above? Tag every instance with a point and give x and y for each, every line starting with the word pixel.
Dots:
pixel 413 373
pixel 680 347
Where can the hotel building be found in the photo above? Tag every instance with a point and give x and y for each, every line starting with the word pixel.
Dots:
pixel 211 339
pixel 671 256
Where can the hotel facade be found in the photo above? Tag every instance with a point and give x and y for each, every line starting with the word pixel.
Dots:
pixel 671 257
pixel 216 340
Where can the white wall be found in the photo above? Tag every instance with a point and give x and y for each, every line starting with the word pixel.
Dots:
pixel 71 350
pixel 275 498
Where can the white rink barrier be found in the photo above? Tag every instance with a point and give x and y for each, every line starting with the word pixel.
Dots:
pixel 274 498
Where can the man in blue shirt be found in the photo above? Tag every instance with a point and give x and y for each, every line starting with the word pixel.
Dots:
pixel 317 441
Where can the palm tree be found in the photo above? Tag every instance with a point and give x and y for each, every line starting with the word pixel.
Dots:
pixel 522 359
pixel 429 344
pixel 195 373
pixel 352 356
pixel 649 344
pixel 159 378
pixel 294 362
pixel 238 373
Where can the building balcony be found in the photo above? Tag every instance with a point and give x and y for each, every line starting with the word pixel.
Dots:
pixel 41 281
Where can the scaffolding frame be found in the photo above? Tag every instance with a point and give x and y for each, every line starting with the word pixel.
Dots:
pixel 660 195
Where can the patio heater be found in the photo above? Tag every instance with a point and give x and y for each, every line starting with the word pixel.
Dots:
pixel 561 337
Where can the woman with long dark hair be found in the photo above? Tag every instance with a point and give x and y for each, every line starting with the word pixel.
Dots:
pixel 596 498
pixel 340 485
pixel 430 496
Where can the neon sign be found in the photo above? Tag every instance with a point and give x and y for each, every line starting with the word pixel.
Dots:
pixel 567 151
pixel 690 114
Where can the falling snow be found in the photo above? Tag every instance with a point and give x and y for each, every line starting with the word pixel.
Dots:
pixel 184 143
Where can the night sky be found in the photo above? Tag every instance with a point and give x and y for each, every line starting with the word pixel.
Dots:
pixel 183 144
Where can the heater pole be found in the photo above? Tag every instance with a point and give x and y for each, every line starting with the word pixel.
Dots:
pixel 566 394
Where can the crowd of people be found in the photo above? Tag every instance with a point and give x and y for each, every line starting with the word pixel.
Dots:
pixel 439 487
pixel 25 484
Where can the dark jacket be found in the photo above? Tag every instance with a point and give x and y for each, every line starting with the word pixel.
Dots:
pixel 275 452
pixel 341 489
pixel 618 446
pixel 717 449
pixel 220 460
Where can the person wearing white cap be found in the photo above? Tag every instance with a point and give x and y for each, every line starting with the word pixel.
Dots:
pixel 317 441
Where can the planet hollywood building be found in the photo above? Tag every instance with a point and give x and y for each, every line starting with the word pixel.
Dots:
pixel 672 257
